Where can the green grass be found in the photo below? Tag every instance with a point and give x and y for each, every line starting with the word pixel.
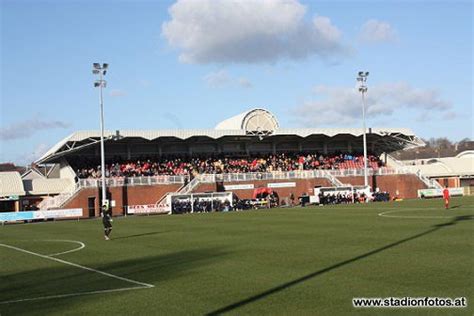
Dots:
pixel 296 261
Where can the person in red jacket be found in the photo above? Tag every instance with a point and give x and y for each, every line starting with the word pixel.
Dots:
pixel 446 197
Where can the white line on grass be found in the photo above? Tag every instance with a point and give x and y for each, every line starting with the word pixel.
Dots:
pixel 141 285
pixel 384 214
pixel 81 246
pixel 74 294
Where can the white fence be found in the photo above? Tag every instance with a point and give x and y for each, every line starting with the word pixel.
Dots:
pixel 297 174
pixel 133 181
pixel 61 199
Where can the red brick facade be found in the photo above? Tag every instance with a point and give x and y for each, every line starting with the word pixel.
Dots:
pixel 302 186
pixel 405 185
pixel 122 196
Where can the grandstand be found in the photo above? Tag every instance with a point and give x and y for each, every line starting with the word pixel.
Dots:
pixel 240 154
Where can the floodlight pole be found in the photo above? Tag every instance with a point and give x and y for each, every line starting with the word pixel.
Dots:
pixel 362 78
pixel 101 70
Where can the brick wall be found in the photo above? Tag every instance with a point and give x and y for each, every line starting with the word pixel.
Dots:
pixel 123 196
pixel 302 186
pixel 406 185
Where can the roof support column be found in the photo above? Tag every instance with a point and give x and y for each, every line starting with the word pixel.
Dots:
pixel 129 152
pixel 325 148
pixel 160 151
pixel 349 146
pixel 274 147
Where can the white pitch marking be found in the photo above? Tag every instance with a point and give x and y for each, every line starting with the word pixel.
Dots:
pixel 146 285
pixel 384 214
pixel 74 294
pixel 81 246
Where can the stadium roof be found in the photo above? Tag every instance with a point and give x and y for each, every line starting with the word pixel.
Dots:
pixel 44 186
pixel 254 123
pixel 11 184
pixel 461 165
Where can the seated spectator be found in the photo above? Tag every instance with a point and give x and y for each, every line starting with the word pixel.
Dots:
pixel 190 166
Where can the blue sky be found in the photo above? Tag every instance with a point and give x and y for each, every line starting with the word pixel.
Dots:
pixel 191 64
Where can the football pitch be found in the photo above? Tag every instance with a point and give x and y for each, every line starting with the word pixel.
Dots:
pixel 294 261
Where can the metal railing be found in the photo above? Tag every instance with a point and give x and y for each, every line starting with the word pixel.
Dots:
pixel 296 174
pixel 430 183
pixel 191 185
pixel 133 181
pixel 62 198
pixel 334 181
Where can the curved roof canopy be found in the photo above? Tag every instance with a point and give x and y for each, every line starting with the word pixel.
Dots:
pixel 258 123
pixel 461 165
pixel 253 122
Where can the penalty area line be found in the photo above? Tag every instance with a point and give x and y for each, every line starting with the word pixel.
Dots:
pixel 74 294
pixel 141 285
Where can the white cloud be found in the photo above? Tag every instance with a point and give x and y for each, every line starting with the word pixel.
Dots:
pixel 27 128
pixel 374 31
pixel 343 106
pixel 451 115
pixel 249 31
pixel 222 78
pixel 245 83
pixel 117 93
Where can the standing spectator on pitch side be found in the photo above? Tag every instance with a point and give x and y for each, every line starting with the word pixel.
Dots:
pixel 446 197
pixel 106 221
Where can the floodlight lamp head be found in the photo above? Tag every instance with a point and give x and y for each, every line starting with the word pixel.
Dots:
pixel 104 72
pixel 105 66
pixel 96 65
pixel 366 73
pixel 361 73
pixel 96 84
pixel 95 71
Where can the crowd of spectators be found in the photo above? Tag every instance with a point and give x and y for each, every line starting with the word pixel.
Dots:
pixel 181 206
pixel 174 165
pixel 341 198
pixel 346 198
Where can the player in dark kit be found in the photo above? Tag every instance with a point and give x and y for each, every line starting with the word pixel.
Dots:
pixel 107 221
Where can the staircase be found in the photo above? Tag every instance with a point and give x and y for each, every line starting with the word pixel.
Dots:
pixel 397 164
pixel 394 163
pixel 61 199
pixel 188 188
pixel 430 183
pixel 334 181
